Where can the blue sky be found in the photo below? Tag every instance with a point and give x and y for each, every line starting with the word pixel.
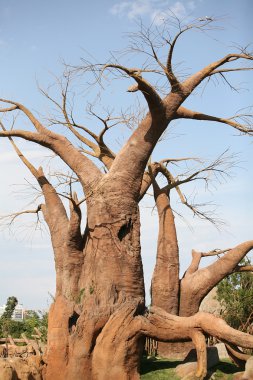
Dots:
pixel 36 36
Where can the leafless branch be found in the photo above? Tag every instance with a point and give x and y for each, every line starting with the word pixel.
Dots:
pixel 246 128
pixel 219 169
pixel 149 92
pixel 173 160
pixel 215 252
pixel 11 217
pixel 194 80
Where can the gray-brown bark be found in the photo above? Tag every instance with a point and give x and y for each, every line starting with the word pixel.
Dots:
pixel 197 283
pixel 106 272
pixel 165 280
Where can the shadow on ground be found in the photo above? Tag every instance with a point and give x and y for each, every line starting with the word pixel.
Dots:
pixel 223 368
pixel 155 364
pixel 152 364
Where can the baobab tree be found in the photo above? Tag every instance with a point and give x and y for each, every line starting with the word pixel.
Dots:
pixel 98 320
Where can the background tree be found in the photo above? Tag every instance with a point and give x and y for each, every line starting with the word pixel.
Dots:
pixel 99 319
pixel 10 307
pixel 235 294
pixel 5 319
pixel 31 320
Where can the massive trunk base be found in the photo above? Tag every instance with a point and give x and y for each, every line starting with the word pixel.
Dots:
pixel 109 345
pixel 119 346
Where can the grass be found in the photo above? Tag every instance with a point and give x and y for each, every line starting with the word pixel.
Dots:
pixel 163 369
pixel 158 369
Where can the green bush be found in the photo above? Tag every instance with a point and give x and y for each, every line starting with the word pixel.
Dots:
pixel 235 294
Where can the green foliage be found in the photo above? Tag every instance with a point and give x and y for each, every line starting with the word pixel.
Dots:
pixel 43 326
pixel 158 369
pixel 13 328
pixel 16 328
pixel 5 320
pixel 34 319
pixel 163 369
pixel 235 294
pixel 9 309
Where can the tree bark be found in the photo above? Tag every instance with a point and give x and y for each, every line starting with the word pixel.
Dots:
pixel 197 283
pixel 165 280
pixel 96 273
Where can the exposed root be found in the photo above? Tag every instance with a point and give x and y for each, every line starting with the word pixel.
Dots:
pixel 238 357
pixel 117 350
pixel 167 327
pixel 199 341
pixel 118 344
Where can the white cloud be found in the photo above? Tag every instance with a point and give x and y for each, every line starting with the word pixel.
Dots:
pixel 132 9
pixel 178 9
pixel 156 10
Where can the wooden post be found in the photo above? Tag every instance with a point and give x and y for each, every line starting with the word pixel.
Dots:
pixel 11 340
pixel 25 338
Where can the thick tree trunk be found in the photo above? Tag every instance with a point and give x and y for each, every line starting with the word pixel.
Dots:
pixel 183 300
pixel 165 280
pixel 109 271
pixel 119 346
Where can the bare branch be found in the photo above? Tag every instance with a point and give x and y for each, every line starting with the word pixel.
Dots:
pixel 247 128
pixel 81 165
pixel 172 160
pixel 54 206
pixel 39 127
pixel 21 156
pixel 195 208
pixel 148 38
pixel 11 217
pixel 219 168
pixel 149 92
pixel 196 258
pixel 215 252
pixel 230 260
pixel 175 85
pixel 193 81
pixel 194 265
pixel 157 167
pixel 197 282
pixel 99 148
pixel 222 71
pixel 8 109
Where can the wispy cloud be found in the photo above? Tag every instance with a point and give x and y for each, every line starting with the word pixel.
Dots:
pixel 132 9
pixel 156 10
pixel 8 157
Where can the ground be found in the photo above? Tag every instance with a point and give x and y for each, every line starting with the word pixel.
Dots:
pixel 164 369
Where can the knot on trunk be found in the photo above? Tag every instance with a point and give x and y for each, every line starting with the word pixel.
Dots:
pixel 73 321
pixel 125 229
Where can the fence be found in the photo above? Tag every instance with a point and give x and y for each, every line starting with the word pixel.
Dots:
pixel 22 347
pixel 151 346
